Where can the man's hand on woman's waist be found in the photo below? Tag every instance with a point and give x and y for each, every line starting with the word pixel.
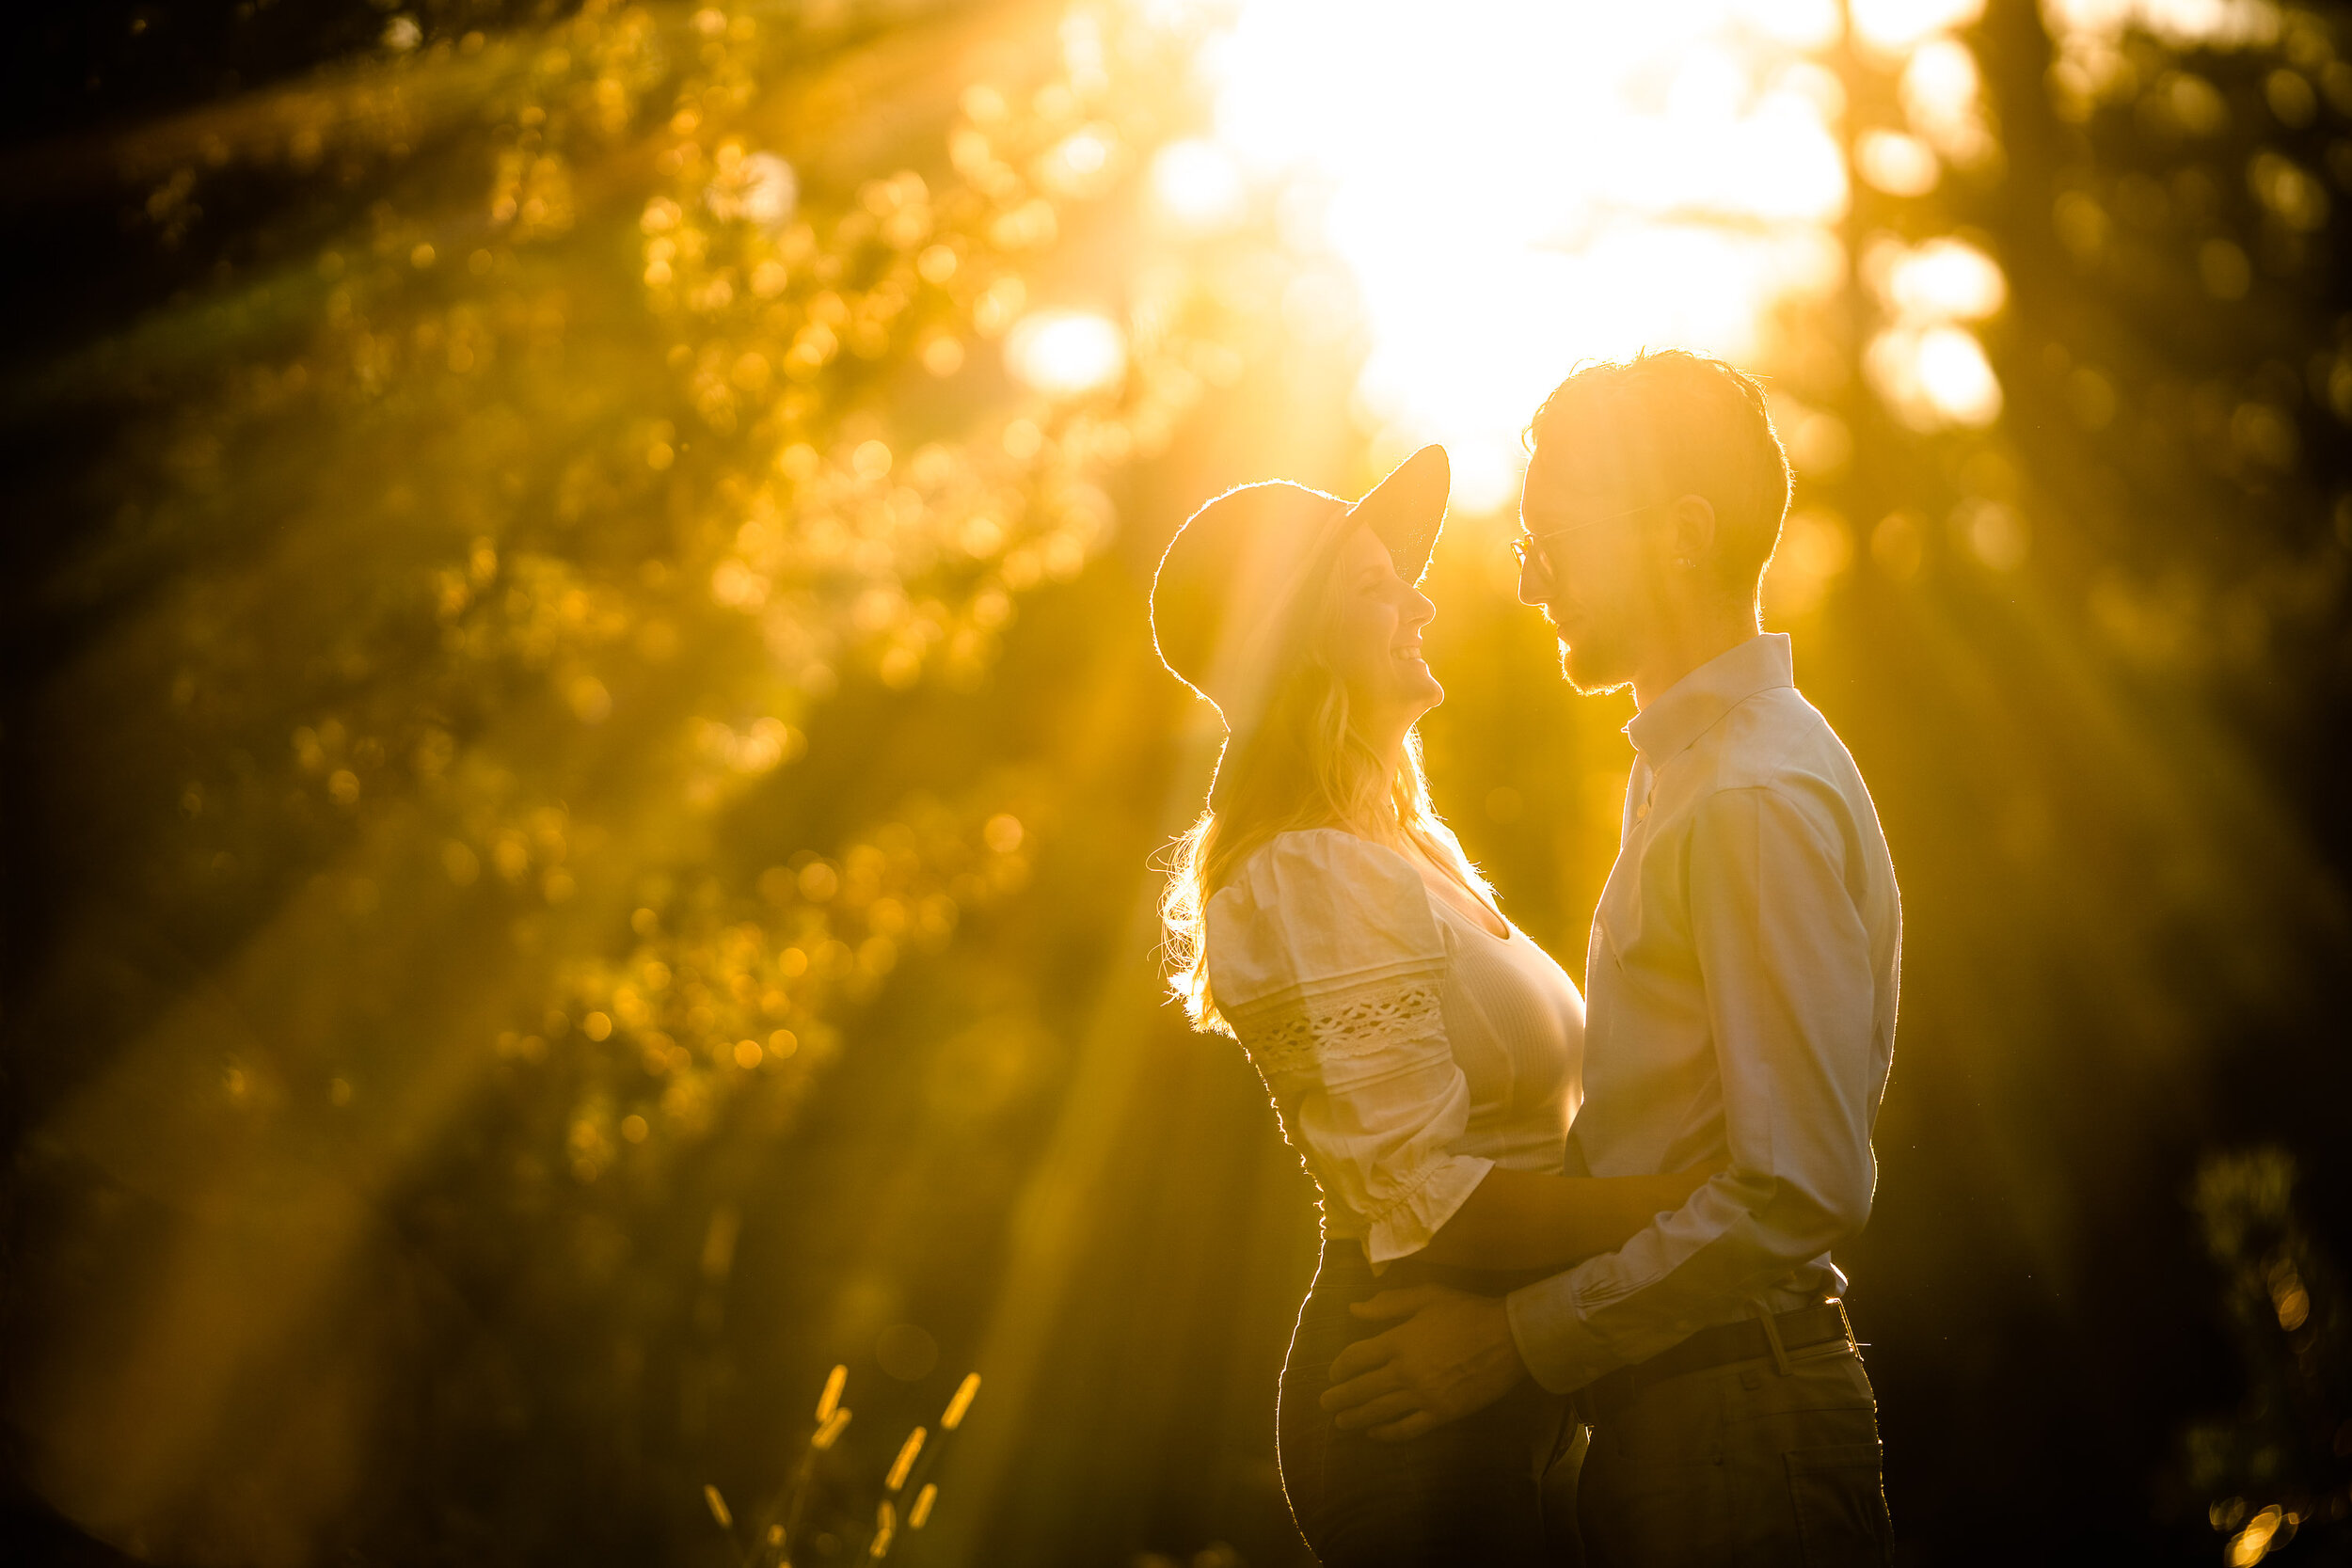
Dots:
pixel 1451 1355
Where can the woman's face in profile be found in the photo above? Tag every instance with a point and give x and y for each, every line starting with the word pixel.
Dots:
pixel 1372 636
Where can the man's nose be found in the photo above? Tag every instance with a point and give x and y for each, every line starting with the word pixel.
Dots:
pixel 1531 583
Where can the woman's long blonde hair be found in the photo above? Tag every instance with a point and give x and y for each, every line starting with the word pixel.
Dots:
pixel 1303 765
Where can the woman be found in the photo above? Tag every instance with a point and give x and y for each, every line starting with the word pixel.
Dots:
pixel 1422 1054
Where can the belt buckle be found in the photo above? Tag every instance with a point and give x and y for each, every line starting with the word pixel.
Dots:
pixel 1843 1321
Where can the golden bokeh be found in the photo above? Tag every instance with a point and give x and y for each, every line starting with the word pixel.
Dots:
pixel 589 759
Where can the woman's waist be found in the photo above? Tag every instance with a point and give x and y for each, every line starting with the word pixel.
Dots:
pixel 1528 1138
pixel 1529 1151
pixel 1344 1271
pixel 1528 1134
pixel 1537 1148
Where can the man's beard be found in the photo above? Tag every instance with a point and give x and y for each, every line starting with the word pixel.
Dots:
pixel 1592 664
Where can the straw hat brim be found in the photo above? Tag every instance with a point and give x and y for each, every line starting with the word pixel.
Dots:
pixel 1406 510
pixel 1225 598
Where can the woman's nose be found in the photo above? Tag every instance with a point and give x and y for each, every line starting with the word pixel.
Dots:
pixel 1419 610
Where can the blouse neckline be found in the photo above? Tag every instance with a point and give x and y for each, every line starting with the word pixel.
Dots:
pixel 1442 901
pixel 1505 937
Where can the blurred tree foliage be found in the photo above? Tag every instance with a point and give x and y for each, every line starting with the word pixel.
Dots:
pixel 2096 640
pixel 507 681
pixel 583 750
pixel 2279 1466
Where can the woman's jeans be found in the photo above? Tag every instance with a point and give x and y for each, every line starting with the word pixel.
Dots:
pixel 1467 1494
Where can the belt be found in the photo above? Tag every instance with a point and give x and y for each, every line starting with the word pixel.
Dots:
pixel 1718 1346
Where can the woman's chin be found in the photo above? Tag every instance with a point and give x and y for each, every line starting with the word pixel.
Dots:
pixel 1408 697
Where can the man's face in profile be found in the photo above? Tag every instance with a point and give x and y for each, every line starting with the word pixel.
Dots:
pixel 1583 571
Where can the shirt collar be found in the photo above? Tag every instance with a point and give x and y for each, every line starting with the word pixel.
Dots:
pixel 1693 704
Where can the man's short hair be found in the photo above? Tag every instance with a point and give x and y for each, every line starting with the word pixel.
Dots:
pixel 1666 423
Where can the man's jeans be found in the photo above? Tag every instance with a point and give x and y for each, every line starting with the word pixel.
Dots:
pixel 1743 1463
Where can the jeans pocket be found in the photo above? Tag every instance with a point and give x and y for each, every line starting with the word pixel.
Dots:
pixel 1841 1506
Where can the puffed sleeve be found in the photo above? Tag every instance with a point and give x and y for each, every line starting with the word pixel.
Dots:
pixel 1325 958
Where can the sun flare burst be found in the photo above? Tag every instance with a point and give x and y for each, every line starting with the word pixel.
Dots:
pixel 1603 180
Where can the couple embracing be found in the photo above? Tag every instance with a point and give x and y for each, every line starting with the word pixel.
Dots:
pixel 1576 1302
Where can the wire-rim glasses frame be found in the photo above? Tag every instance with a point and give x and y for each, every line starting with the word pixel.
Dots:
pixel 1521 545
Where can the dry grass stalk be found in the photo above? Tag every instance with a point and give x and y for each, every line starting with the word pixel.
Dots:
pixel 905 1461
pixel 961 1402
pixel 830 1399
pixel 782 1521
pixel 831 1432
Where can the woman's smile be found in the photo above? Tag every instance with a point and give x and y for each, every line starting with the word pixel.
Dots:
pixel 1373 637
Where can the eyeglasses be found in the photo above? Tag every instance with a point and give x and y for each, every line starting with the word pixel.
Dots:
pixel 1526 543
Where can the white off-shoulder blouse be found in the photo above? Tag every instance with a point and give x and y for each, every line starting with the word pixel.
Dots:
pixel 1408 1048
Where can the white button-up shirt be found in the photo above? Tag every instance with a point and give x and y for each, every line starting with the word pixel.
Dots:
pixel 1740 989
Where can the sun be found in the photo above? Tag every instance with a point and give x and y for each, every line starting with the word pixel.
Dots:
pixel 1509 188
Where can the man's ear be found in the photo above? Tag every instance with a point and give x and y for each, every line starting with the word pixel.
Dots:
pixel 1692 526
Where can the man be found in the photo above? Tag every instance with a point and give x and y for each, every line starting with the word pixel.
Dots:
pixel 1740 987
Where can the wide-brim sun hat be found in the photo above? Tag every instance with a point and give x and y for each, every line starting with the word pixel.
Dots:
pixel 1227 597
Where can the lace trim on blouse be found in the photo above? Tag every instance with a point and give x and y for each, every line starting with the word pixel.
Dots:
pixel 1300 1028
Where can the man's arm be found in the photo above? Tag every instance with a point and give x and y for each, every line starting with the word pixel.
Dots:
pixel 1521 1219
pixel 1785 958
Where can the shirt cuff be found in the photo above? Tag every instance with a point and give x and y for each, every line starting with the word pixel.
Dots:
pixel 1406 1222
pixel 1561 1351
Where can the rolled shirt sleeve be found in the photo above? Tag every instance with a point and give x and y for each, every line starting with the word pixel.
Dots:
pixel 1786 961
pixel 1327 961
